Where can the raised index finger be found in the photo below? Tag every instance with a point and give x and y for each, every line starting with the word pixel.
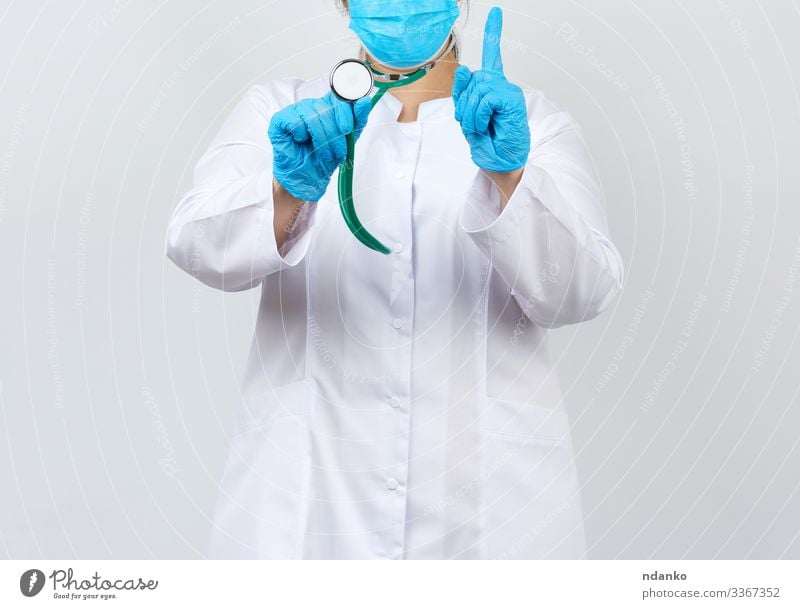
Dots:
pixel 492 59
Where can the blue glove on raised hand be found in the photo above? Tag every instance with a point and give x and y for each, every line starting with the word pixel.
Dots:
pixel 308 140
pixel 491 110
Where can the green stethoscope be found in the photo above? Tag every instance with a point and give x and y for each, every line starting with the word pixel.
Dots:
pixel 351 80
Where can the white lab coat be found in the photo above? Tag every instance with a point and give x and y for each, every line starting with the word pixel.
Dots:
pixel 401 406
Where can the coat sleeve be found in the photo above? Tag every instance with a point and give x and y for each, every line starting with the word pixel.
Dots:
pixel 221 231
pixel 550 243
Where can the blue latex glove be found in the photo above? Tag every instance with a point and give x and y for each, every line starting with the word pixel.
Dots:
pixel 308 140
pixel 491 110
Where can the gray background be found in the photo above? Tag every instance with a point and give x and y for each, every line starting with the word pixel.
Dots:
pixel 119 374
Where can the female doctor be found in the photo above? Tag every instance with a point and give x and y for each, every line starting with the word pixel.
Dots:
pixel 402 405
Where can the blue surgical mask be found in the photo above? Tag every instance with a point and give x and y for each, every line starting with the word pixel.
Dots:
pixel 402 34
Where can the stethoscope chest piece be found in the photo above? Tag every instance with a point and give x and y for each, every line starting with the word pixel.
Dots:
pixel 351 80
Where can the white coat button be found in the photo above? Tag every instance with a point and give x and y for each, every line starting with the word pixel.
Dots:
pixel 400 174
pixel 397 324
pixel 398 247
pixel 391 484
pixel 394 402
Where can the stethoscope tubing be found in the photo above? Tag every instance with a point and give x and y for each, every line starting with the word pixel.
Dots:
pixel 346 171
